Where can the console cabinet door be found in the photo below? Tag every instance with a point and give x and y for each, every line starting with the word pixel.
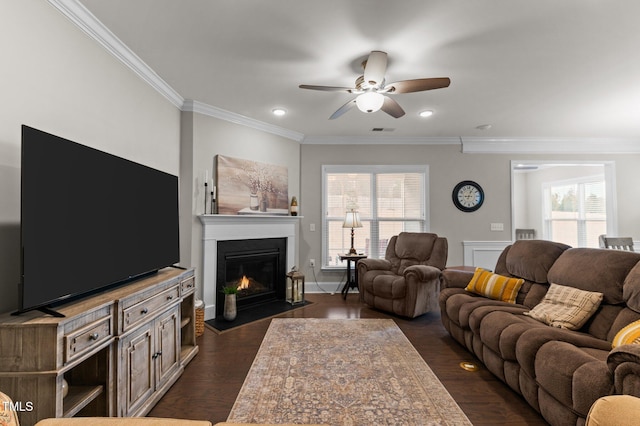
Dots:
pixel 167 355
pixel 139 375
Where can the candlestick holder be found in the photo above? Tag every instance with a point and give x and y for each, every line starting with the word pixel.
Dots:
pixel 213 204
pixel 205 197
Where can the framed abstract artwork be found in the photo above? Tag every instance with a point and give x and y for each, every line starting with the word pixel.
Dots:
pixel 251 187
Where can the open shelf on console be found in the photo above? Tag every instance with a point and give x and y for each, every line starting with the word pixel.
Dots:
pixel 79 397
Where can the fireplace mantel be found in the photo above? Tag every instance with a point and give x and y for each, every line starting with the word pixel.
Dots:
pixel 217 227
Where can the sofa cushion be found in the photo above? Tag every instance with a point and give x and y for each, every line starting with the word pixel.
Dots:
pixel 631 289
pixel 532 259
pixel 566 307
pixel 494 286
pixel 595 270
pixel 628 335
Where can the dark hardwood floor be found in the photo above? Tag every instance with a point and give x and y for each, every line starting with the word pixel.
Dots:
pixel 211 382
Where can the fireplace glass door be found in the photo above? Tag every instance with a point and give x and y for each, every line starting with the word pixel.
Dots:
pixel 255 267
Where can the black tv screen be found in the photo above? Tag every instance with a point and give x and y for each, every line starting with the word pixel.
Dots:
pixel 90 220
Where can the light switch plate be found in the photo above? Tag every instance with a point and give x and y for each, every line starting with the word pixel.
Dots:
pixel 497 226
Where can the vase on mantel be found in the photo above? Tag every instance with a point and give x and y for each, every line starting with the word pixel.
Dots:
pixel 254 204
pixel 230 310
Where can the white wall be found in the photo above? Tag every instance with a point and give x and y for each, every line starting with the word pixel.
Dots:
pixel 204 137
pixel 55 78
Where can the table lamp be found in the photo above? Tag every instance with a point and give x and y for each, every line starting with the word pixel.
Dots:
pixel 352 220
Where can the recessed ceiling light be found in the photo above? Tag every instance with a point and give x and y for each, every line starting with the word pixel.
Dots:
pixel 484 127
pixel 279 111
pixel 427 113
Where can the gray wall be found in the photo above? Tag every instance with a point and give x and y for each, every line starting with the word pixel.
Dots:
pixel 203 138
pixel 448 166
pixel 55 78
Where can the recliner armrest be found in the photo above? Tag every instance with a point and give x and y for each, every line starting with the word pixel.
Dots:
pixel 374 265
pixel 422 272
pixel 624 365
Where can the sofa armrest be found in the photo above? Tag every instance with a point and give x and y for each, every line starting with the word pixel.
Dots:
pixel 456 278
pixel 365 265
pixel 530 341
pixel 624 365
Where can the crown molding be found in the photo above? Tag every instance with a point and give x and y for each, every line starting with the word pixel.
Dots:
pixel 481 145
pixel 87 22
pixel 380 140
pixel 212 111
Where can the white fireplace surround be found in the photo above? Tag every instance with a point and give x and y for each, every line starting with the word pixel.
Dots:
pixel 240 227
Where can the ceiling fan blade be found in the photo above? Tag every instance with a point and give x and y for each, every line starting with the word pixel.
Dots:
pixel 391 107
pixel 375 68
pixel 327 88
pixel 344 108
pixel 417 85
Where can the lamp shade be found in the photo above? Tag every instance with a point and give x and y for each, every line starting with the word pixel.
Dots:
pixel 370 101
pixel 352 220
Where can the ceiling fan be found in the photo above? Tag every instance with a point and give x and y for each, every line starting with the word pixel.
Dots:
pixel 372 90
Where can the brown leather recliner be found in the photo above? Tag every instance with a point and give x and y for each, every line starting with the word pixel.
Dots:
pixel 407 281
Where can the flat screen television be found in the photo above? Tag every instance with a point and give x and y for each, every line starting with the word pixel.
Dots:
pixel 90 220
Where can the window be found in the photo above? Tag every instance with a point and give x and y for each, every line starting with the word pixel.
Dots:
pixel 571 202
pixel 575 211
pixel 390 200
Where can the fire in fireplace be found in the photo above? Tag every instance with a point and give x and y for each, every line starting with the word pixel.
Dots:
pixel 249 286
pixel 257 267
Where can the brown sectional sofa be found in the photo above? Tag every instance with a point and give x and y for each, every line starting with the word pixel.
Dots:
pixel 559 372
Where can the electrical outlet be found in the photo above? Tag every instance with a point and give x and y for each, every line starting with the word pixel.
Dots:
pixel 312 227
pixel 312 263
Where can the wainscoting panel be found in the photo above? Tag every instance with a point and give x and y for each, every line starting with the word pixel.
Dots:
pixel 483 254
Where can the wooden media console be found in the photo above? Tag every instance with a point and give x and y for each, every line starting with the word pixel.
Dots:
pixel 113 354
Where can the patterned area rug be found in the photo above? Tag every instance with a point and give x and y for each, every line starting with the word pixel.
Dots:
pixel 342 372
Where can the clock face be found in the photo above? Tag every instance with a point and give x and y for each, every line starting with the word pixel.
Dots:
pixel 468 196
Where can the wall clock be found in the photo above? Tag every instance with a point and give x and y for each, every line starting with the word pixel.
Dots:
pixel 467 196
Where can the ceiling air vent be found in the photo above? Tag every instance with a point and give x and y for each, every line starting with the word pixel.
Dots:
pixel 382 129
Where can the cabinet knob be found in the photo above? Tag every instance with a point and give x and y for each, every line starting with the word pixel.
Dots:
pixel 94 336
pixel 144 311
pixel 170 297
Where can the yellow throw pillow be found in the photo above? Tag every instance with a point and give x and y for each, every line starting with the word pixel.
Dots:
pixel 494 286
pixel 629 334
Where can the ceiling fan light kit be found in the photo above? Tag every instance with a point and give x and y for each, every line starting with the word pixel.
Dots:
pixel 370 101
pixel 372 90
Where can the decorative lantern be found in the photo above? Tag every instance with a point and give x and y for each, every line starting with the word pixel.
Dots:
pixel 295 287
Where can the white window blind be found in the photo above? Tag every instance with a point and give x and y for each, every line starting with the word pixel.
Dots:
pixel 389 199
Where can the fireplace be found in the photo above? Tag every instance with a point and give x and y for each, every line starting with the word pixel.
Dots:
pixel 218 228
pixel 256 267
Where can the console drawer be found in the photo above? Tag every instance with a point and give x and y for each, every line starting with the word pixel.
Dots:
pixel 148 307
pixel 83 340
pixel 188 285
